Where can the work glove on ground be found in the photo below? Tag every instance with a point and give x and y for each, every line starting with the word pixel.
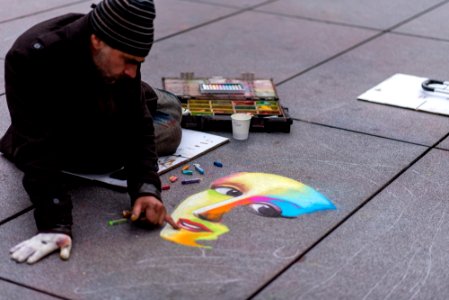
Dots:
pixel 41 245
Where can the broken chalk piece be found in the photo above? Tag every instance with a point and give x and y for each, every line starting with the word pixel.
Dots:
pixel 189 181
pixel 165 187
pixel 198 168
pixel 218 163
pixel 127 214
pixel 187 172
pixel 172 178
pixel 186 167
pixel 117 222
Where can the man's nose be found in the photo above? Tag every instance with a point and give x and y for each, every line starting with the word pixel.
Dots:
pixel 130 71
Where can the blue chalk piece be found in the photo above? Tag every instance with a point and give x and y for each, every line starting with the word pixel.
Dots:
pixel 189 181
pixel 218 164
pixel 187 172
pixel 198 168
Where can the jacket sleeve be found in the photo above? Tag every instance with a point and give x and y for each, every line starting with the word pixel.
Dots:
pixel 31 141
pixel 142 166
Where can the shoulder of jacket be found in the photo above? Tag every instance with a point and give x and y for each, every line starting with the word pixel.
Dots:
pixel 46 34
pixel 54 33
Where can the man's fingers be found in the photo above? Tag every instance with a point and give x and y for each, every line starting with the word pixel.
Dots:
pixel 16 247
pixel 65 252
pixel 153 210
pixel 22 254
pixel 65 244
pixel 40 253
pixel 162 214
pixel 172 222
pixel 152 215
pixel 137 210
pixel 41 245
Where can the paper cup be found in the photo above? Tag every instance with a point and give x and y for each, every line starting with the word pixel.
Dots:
pixel 240 126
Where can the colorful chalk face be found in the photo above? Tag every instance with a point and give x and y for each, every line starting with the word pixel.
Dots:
pixel 268 195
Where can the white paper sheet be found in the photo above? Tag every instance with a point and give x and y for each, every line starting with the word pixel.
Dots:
pixel 193 144
pixel 404 90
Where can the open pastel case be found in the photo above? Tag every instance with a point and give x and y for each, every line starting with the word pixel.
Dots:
pixel 209 102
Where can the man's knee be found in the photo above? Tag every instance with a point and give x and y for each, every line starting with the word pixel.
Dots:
pixel 167 123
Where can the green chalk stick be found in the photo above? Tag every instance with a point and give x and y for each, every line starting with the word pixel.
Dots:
pixel 117 222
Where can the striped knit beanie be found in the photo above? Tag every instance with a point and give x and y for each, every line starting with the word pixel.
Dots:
pixel 126 25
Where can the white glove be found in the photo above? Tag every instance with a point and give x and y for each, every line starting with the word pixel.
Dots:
pixel 40 246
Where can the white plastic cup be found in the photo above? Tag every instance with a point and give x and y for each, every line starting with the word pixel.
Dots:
pixel 240 126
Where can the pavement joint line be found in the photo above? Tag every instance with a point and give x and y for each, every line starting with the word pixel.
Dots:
pixel 420 36
pixel 243 10
pixel 16 215
pixel 442 149
pixel 319 20
pixel 32 288
pixel 361 26
pixel 429 9
pixel 346 218
pixel 361 132
pixel 363 42
pixel 357 45
pixel 44 11
pixel 215 4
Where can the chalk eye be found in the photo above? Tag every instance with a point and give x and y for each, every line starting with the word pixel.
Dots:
pixel 266 209
pixel 228 191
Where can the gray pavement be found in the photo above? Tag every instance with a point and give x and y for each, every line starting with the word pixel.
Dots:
pixel 384 168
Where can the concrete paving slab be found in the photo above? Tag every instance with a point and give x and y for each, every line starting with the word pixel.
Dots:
pixel 233 3
pixel 13 198
pixel 393 248
pixel 2 78
pixel 121 261
pixel 11 291
pixel 430 24
pixel 250 43
pixel 380 14
pixel 328 93
pixel 18 9
pixel 5 119
pixel 444 144
pixel 174 16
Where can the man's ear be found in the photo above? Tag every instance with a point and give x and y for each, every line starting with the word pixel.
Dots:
pixel 96 42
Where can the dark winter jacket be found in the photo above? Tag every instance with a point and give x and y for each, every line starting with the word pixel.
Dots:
pixel 64 116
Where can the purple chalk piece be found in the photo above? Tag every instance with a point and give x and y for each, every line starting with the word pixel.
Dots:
pixel 189 181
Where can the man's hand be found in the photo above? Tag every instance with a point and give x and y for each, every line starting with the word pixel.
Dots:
pixel 152 210
pixel 40 246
